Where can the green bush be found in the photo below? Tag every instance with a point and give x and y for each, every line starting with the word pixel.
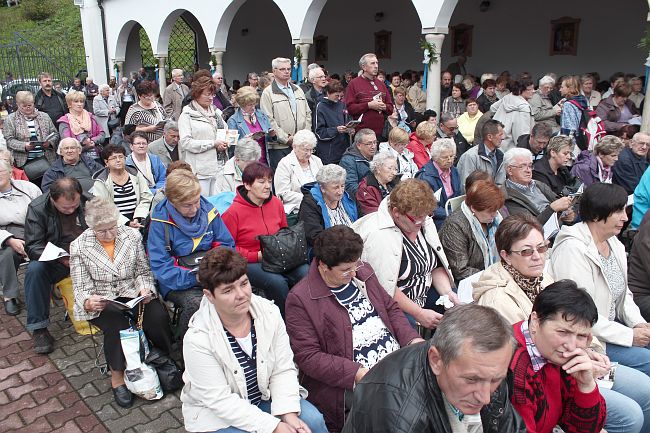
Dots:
pixel 37 10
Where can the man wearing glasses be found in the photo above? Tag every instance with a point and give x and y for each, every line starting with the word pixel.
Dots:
pixel 448 128
pixel 524 195
pixel 632 163
pixel 285 105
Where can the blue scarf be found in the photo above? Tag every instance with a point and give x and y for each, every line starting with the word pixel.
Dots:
pixel 194 227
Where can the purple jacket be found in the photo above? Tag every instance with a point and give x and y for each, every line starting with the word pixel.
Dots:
pixel 586 168
pixel 320 332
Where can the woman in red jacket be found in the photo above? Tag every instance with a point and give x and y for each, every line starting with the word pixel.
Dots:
pixel 256 211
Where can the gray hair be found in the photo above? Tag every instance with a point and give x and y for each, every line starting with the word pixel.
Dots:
pixel 278 60
pixel 304 137
pixel 363 132
pixel 170 125
pixel 546 79
pixel 488 76
pixel 331 173
pixel 102 87
pixel 247 149
pixel 516 152
pixel 446 117
pixel 441 145
pixel 482 328
pixel 101 210
pixel 557 143
pixel 6 166
pixel 365 57
pixel 177 72
pixel 65 141
pixel 313 72
pixel 541 130
pixel 380 159
pixel 9 154
pixel 608 145
pixel 217 74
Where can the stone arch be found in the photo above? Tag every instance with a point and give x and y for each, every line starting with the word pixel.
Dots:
pixel 162 46
pixel 223 28
pixel 128 48
pixel 435 14
pixel 123 39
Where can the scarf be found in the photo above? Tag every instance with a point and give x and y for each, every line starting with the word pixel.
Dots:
pixel 530 286
pixel 22 130
pixel 194 227
pixel 210 114
pixel 487 243
pixel 79 125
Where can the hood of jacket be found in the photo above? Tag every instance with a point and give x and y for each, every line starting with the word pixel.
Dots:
pixel 493 277
pixel 354 151
pixel 578 232
pixel 513 103
pixel 242 198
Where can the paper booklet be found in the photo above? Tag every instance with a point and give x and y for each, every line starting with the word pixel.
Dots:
pixel 127 305
pixel 228 135
pixel 52 252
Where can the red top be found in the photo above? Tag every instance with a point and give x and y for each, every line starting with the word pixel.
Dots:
pixel 18 174
pixel 420 152
pixel 359 92
pixel 550 397
pixel 246 221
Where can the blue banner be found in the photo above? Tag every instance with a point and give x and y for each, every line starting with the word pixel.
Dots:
pixel 424 77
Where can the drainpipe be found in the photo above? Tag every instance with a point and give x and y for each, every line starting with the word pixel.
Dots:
pixel 100 3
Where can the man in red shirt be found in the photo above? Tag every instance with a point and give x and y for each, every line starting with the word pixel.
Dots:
pixel 369 96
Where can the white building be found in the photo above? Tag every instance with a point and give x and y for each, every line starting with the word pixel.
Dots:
pixel 244 35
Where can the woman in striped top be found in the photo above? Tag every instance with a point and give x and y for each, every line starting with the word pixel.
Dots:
pixel 147 114
pixel 239 370
pixel 124 185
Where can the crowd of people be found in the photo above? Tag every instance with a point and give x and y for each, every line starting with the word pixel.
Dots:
pixel 391 210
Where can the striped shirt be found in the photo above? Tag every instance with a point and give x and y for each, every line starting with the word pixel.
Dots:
pixel 37 151
pixel 248 363
pixel 371 339
pixel 125 198
pixel 418 261
pixel 138 115
pixel 338 216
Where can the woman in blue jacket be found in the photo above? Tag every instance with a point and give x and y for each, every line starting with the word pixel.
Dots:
pixel 442 176
pixel 330 118
pixel 149 165
pixel 251 122
pixel 184 223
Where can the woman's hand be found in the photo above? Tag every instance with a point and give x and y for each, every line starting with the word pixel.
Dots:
pixel 361 372
pixel 28 146
pixel 428 318
pixel 95 303
pixel 18 245
pixel 135 223
pixel 294 422
pixel 220 145
pixel 148 293
pixel 641 335
pixel 342 129
pixel 453 297
pixel 600 362
pixel 581 368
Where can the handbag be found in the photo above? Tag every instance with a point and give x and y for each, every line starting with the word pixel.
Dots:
pixel 36 168
pixel 113 122
pixel 170 376
pixel 190 261
pixel 285 250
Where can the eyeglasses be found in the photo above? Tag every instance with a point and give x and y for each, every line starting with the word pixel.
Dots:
pixel 523 166
pixel 357 266
pixel 307 149
pixel 527 252
pixel 414 221
pixel 283 69
pixel 116 158
pixel 106 231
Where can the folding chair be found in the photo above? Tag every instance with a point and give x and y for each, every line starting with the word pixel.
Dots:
pixel 453 204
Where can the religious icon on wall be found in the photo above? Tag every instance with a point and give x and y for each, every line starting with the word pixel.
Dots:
pixel 320 48
pixel 461 40
pixel 382 44
pixel 564 36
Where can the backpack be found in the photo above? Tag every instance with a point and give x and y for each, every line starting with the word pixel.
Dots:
pixel 591 128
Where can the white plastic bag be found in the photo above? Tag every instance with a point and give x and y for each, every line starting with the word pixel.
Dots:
pixel 140 378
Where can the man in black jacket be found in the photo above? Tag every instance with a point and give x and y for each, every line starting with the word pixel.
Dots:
pixel 456 382
pixel 49 100
pixel 56 217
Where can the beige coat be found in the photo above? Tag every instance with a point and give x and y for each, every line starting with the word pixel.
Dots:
pixel 382 245
pixel 275 104
pixel 197 137
pixel 173 100
pixel 497 289
pixel 289 177
pixel 418 98
pixel 575 257
pixel 214 395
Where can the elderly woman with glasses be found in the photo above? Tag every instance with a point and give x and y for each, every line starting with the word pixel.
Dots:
pixel 147 114
pixel 298 168
pixel 251 122
pixel 108 262
pixel 378 183
pixel 402 246
pixel 325 203
pixel 341 323
pixel 247 151
pixel 442 176
pixel 525 195
pixel 82 125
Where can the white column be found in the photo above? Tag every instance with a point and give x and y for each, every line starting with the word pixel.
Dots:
pixel 304 60
pixel 218 55
pixel 433 74
pixel 91 25
pixel 162 75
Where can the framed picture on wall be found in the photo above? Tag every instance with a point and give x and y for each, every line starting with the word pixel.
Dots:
pixel 461 40
pixel 382 44
pixel 320 48
pixel 564 36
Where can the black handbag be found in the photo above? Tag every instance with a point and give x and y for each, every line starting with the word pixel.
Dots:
pixel 285 250
pixel 36 168
pixel 170 376
pixel 190 261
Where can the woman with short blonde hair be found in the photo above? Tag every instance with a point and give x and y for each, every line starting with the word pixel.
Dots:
pixel 82 125
pixel 250 121
pixel 421 141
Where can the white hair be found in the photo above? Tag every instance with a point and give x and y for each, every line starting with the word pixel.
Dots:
pixel 441 145
pixel 380 159
pixel 65 141
pixel 247 149
pixel 6 166
pixel 546 79
pixel 514 153
pixel 313 72
pixel 364 59
pixel 488 76
pixel 279 60
pixel 304 137
pixel 177 73
pixel 331 173
pixel 102 87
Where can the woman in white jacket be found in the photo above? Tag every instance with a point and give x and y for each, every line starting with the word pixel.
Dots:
pixel 515 113
pixel 239 370
pixel 198 125
pixel 590 254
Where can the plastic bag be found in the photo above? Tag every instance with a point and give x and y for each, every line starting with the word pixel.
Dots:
pixel 140 378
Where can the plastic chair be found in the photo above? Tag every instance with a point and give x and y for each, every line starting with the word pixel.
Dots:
pixel 453 204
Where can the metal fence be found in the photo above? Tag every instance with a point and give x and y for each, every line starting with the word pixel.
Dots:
pixel 24 61
pixel 182 51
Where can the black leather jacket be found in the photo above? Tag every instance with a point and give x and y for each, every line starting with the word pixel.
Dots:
pixel 401 395
pixel 42 225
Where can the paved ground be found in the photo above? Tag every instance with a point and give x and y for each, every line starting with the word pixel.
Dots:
pixel 64 391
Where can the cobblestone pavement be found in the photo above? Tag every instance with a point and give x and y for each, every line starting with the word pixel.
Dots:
pixel 64 392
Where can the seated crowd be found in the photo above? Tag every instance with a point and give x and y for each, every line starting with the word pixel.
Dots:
pixel 399 219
